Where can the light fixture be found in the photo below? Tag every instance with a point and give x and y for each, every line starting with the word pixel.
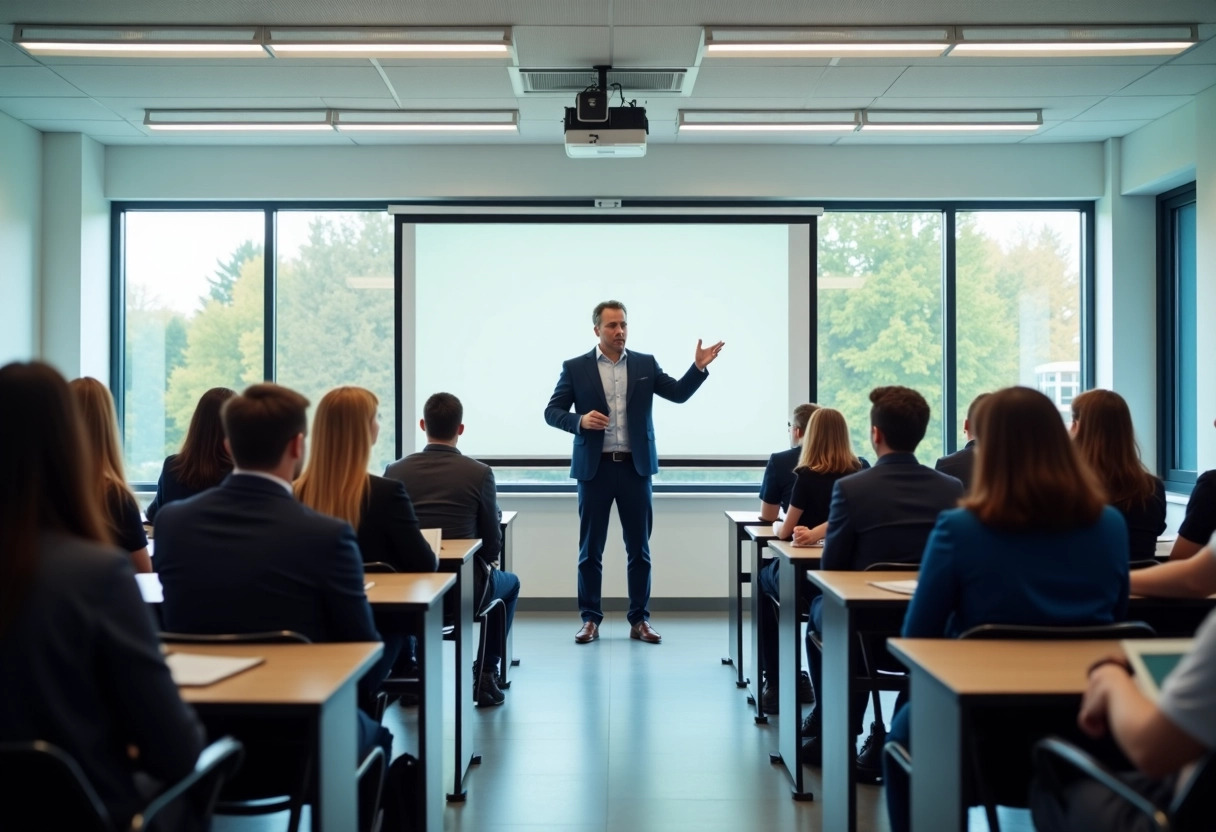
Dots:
pixel 1072 41
pixel 427 121
pixel 951 121
pixel 389 42
pixel 827 42
pixel 767 121
pixel 240 121
pixel 141 41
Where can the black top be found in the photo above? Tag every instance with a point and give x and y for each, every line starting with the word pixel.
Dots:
pixel 80 667
pixel 1200 520
pixel 777 487
pixel 169 489
pixel 125 524
pixel 1144 522
pixel 960 464
pixel 813 494
pixel 389 530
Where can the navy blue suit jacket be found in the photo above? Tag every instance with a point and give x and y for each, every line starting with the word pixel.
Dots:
pixel 580 386
pixel 246 556
pixel 960 464
pixel 885 514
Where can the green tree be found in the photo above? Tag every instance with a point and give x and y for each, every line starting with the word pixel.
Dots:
pixel 227 272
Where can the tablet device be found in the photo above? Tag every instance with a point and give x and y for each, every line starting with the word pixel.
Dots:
pixel 1154 659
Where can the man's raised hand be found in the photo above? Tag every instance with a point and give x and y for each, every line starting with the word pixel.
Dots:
pixel 705 355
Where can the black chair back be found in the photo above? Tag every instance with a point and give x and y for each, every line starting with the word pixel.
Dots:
pixel 44 788
pixel 266 637
pixel 1193 807
pixel 1118 630
pixel 892 566
pixel 378 566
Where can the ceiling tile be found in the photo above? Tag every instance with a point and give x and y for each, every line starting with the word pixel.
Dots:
pixel 1125 107
pixel 431 82
pixel 963 81
pixel 23 81
pixel 839 82
pixel 1174 80
pixel 538 47
pixel 133 108
pixel 767 82
pixel 89 128
pixel 657 46
pixel 1204 53
pixel 1054 109
pixel 129 81
pixel 56 108
pixel 12 56
pixel 1093 130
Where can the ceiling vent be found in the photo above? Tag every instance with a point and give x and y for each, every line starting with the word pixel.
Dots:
pixel 634 81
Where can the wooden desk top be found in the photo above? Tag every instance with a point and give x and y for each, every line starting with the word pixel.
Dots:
pixel 507 517
pixel 292 674
pixel 408 590
pixel 763 532
pixel 993 668
pixel 458 550
pixel 854 589
pixel 790 552
pixel 744 518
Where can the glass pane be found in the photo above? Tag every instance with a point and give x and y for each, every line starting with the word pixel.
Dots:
pixel 1187 405
pixel 880 322
pixel 194 288
pixel 1019 304
pixel 334 310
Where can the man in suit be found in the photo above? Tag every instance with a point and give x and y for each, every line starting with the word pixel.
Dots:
pixel 882 514
pixel 612 393
pixel 778 482
pixel 457 494
pixel 247 557
pixel 960 463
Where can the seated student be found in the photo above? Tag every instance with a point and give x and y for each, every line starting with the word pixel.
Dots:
pixel 883 514
pixel 203 461
pixel 961 463
pixel 1034 544
pixel 778 482
pixel 1200 521
pixel 120 509
pixel 336 482
pixel 826 457
pixel 247 557
pixel 457 494
pixel 1103 433
pixel 80 666
pixel 1162 739
pixel 1194 577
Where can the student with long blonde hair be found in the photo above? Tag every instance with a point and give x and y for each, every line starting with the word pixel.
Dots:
pixel 336 482
pixel 107 479
pixel 1103 433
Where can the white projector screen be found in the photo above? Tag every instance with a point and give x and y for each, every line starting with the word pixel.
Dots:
pixel 490 311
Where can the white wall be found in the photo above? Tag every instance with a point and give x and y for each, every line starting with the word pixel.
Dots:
pixel 1161 155
pixel 20 234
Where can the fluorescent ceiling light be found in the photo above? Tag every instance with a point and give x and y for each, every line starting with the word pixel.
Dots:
pixel 240 121
pixel 767 128
pixel 427 121
pixel 828 42
pixel 950 121
pixel 389 42
pixel 140 41
pixel 1073 41
pixel 768 121
pixel 949 127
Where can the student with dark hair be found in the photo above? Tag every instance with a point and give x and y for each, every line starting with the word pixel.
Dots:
pixel 203 461
pixel 247 557
pixel 1033 544
pixel 1103 433
pixel 457 493
pixel 777 484
pixel 961 463
pixel 80 666
pixel 1199 523
pixel 120 510
pixel 883 514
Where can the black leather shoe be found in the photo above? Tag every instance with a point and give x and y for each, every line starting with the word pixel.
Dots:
pixel 806 691
pixel 488 692
pixel 769 698
pixel 810 725
pixel 869 759
pixel 811 753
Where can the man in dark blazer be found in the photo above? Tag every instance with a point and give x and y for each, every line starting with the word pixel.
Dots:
pixel 777 485
pixel 961 463
pixel 882 514
pixel 247 557
pixel 612 393
pixel 457 493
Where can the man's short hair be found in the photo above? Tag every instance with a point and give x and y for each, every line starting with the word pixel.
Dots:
pixel 802 415
pixel 901 414
pixel 261 422
pixel 443 414
pixel 598 312
pixel 975 406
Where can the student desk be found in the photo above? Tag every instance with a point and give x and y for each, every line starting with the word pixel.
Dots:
pixel 795 561
pixel 508 561
pixel 759 537
pixel 456 557
pixel 850 605
pixel 953 679
pixel 314 683
pixel 418 599
pixel 736 576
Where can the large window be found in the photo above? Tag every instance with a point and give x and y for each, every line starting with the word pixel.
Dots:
pixel 1178 328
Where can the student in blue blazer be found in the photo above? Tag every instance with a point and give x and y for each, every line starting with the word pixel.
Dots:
pixel 612 394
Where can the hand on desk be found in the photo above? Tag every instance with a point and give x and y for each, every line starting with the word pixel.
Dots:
pixel 803 537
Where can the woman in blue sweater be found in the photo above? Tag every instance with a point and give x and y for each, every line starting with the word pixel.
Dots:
pixel 1034 543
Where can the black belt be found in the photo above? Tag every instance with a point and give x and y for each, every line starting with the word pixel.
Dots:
pixel 618 456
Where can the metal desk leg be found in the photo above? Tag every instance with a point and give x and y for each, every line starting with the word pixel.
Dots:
pixel 792 579
pixel 839 745
pixel 430 716
pixel 336 806
pixel 938 754
pixel 757 684
pixel 465 652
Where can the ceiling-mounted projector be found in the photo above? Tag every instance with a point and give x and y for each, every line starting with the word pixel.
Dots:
pixel 595 130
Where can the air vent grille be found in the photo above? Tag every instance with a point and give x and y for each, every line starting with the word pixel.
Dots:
pixel 577 80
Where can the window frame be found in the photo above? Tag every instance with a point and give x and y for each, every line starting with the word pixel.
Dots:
pixel 1168 440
